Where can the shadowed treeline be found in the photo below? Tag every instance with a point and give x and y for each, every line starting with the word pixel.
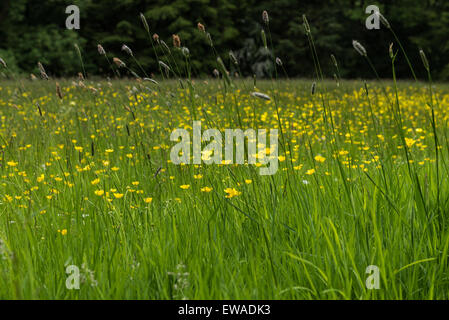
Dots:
pixel 34 30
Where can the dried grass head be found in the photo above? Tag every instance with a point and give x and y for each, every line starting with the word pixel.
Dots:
pixel 101 50
pixel 201 27
pixel 176 41
pixel 118 62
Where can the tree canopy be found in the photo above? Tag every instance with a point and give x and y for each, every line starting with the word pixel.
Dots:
pixel 34 30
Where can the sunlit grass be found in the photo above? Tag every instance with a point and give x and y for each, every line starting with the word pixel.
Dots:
pixel 87 181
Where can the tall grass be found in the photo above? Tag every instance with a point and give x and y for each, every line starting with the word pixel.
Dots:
pixel 86 180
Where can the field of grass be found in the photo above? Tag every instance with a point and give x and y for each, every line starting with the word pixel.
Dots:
pixel 86 180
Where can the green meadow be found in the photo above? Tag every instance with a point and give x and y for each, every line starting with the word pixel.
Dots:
pixel 87 184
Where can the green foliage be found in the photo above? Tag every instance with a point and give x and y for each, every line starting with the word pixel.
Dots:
pixel 34 30
pixel 7 55
pixel 50 46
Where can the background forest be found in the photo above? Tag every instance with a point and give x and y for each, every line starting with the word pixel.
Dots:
pixel 34 30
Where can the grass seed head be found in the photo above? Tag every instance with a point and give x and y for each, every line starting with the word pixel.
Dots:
pixel 150 80
pixel 260 95
pixel 209 38
pixel 185 51
pixel 359 48
pixel 390 51
pixel 279 61
pixel 101 50
pixel 42 71
pixel 127 50
pixel 165 46
pixel 176 41
pixel 306 24
pixel 144 22
pixel 41 67
pixel 265 17
pixel 383 20
pixel 164 65
pixel 39 108
pixel 58 91
pixel 233 58
pixel 118 62
pixel 201 27
pixel 424 60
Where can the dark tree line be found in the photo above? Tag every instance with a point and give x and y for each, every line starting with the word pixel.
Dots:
pixel 34 30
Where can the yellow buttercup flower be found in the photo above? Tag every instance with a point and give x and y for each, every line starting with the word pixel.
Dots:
pixel 12 163
pixel 310 172
pixel 231 192
pixel 409 142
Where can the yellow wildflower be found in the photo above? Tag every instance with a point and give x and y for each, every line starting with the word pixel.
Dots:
pixel 12 163
pixel 310 172
pixel 231 192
